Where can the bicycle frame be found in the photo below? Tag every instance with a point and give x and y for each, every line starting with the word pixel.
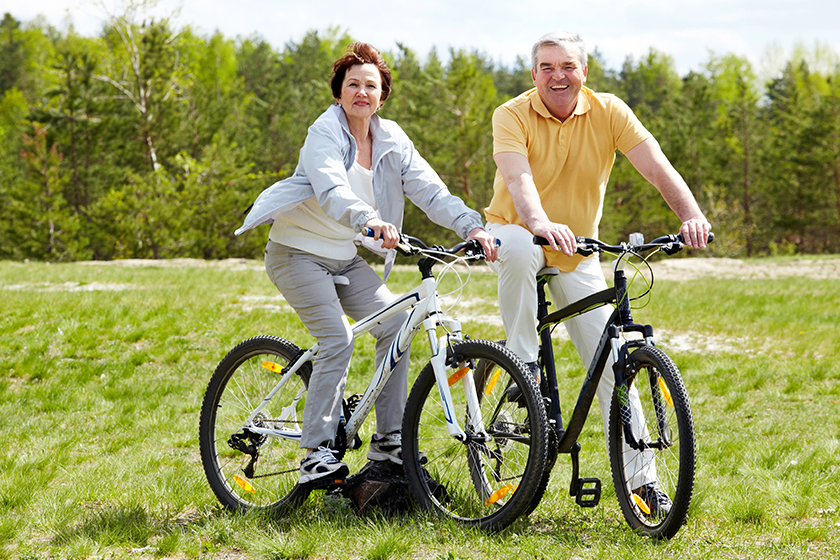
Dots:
pixel 619 322
pixel 424 303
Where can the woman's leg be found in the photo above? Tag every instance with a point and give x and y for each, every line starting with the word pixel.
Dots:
pixel 367 294
pixel 306 281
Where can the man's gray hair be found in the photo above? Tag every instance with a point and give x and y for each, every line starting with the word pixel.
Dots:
pixel 559 40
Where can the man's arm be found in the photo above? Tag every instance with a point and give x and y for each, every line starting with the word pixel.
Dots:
pixel 648 159
pixel 516 172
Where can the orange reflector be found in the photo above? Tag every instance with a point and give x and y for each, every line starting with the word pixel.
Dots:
pixel 641 503
pixel 665 392
pixel 498 494
pixel 271 366
pixel 244 484
pixel 458 375
pixel 492 382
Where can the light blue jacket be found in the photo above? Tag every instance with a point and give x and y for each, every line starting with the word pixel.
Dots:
pixel 398 172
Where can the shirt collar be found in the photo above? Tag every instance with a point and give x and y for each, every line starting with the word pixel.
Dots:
pixel 583 104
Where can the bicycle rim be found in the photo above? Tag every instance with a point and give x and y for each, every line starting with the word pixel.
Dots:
pixel 668 425
pixel 247 470
pixel 485 484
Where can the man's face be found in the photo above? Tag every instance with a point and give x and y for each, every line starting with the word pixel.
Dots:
pixel 559 76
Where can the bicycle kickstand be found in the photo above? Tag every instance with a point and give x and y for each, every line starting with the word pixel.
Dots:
pixel 587 491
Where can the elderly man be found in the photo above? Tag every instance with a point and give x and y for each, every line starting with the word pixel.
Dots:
pixel 554 146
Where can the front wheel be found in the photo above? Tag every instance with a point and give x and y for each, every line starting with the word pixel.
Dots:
pixel 490 479
pixel 247 469
pixel 654 485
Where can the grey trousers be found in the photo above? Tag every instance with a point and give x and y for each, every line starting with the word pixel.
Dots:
pixel 306 281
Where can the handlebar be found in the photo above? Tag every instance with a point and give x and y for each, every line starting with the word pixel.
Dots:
pixel 409 246
pixel 586 246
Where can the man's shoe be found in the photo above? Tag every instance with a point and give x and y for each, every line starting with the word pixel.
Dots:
pixel 656 500
pixel 319 464
pixel 386 448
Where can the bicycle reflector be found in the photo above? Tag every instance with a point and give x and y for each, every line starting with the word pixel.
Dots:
pixel 492 382
pixel 642 504
pixel 271 366
pixel 666 394
pixel 244 484
pixel 458 375
pixel 499 494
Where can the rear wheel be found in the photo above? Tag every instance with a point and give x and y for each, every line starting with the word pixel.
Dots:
pixel 248 470
pixel 666 465
pixel 483 482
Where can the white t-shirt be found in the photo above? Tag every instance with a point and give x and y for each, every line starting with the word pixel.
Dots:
pixel 309 229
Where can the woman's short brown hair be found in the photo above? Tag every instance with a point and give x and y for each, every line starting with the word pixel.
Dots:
pixel 360 53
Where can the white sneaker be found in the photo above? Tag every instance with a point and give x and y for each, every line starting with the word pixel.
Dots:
pixel 386 448
pixel 319 464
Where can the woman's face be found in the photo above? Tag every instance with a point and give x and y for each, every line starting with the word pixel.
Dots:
pixel 361 91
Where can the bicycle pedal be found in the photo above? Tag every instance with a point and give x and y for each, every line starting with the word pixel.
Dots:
pixel 327 483
pixel 588 496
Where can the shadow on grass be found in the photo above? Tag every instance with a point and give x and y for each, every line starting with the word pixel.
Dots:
pixel 118 525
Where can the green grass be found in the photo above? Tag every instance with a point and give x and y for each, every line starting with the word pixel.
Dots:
pixel 104 368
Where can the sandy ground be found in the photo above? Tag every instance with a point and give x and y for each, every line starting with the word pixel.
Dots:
pixel 672 269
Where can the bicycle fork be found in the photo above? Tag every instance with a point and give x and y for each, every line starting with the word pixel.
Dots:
pixel 445 381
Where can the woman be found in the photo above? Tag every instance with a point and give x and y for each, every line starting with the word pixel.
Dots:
pixel 355 170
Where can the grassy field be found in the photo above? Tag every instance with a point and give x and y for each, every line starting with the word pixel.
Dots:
pixel 104 366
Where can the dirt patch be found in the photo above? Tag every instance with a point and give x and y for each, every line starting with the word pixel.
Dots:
pixel 671 269
pixel 827 268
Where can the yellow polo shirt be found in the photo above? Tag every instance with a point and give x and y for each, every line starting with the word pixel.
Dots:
pixel 570 161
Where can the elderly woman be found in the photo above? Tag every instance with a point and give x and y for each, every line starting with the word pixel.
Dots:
pixel 355 170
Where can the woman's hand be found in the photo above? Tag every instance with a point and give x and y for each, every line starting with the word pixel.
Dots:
pixel 388 233
pixel 487 242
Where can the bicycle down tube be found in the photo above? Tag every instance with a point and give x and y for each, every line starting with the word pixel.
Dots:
pixel 425 311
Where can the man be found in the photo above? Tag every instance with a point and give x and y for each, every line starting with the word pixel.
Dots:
pixel 555 147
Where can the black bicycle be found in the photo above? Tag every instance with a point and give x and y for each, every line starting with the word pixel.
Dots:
pixel 651 452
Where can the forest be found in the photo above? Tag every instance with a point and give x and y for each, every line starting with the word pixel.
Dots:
pixel 151 140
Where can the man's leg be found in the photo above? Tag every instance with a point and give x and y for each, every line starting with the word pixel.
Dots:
pixel 585 332
pixel 517 265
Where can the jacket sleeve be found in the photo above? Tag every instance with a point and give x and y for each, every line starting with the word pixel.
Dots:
pixel 323 162
pixel 424 187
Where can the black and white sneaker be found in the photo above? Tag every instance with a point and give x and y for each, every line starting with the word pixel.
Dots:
pixel 657 501
pixel 319 464
pixel 386 448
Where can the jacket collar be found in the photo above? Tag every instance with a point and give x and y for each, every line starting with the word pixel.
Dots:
pixel 383 140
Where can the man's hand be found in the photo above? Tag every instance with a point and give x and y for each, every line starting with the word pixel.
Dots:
pixel 695 232
pixel 487 242
pixel 559 236
pixel 389 233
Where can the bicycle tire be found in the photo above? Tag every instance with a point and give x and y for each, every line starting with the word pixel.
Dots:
pixel 484 485
pixel 665 420
pixel 482 373
pixel 241 380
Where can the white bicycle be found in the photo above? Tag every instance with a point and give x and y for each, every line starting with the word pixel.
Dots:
pixel 468 454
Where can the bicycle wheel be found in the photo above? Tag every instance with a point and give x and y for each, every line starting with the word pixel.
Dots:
pixel 483 374
pixel 486 484
pixel 668 429
pixel 247 470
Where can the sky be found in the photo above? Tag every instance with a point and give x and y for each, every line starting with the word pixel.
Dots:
pixel 764 31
